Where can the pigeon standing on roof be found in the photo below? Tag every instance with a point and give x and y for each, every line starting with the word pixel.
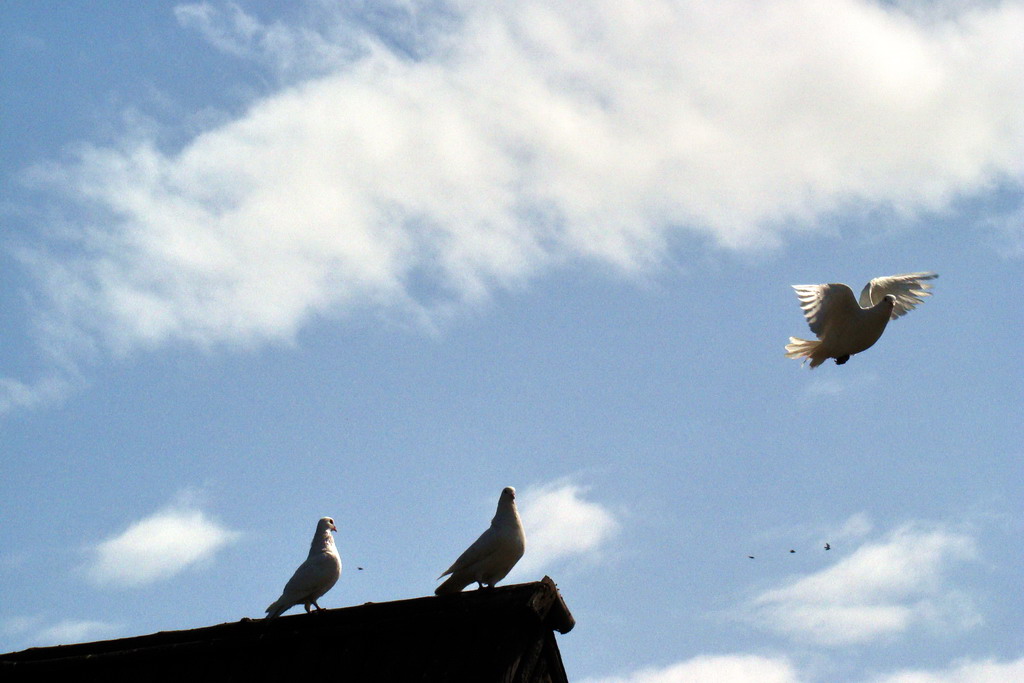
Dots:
pixel 315 576
pixel 844 326
pixel 492 556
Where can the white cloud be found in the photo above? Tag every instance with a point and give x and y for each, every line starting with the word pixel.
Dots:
pixel 856 527
pixel 1009 230
pixel 158 547
pixel 15 626
pixel 33 631
pixel 560 524
pixel 882 589
pixel 322 43
pixel 738 668
pixel 971 671
pixel 747 668
pixel 76 631
pixel 531 134
pixel 17 394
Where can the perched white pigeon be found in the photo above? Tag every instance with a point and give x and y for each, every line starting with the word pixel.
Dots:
pixel 315 576
pixel 492 556
pixel 845 327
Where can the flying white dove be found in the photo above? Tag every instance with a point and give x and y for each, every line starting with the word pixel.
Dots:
pixel 845 327
pixel 315 576
pixel 492 556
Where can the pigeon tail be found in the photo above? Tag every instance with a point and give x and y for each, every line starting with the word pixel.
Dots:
pixel 807 349
pixel 454 584
pixel 277 608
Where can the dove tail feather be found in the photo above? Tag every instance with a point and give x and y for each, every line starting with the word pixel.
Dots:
pixel 805 348
pixel 454 584
pixel 276 609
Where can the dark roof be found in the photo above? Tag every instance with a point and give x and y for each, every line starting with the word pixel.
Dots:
pixel 492 634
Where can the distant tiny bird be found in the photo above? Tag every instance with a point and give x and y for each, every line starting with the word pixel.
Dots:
pixel 828 547
pixel 844 326
pixel 315 576
pixel 359 568
pixel 750 556
pixel 792 551
pixel 492 556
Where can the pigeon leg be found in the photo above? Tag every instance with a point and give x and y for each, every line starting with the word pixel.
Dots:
pixel 842 359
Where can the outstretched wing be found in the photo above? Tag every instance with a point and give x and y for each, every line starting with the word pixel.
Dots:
pixel 821 302
pixel 909 290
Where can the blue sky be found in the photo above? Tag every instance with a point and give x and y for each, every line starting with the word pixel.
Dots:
pixel 265 262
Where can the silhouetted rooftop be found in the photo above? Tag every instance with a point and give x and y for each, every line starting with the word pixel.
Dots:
pixel 499 634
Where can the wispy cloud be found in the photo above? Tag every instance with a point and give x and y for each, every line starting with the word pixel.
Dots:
pixel 17 394
pixel 1009 230
pixel 39 631
pixel 320 37
pixel 322 43
pixel 882 589
pixel 17 626
pixel 856 527
pixel 969 671
pixel 749 668
pixel 560 524
pixel 735 668
pixel 158 547
pixel 416 184
pixel 76 631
